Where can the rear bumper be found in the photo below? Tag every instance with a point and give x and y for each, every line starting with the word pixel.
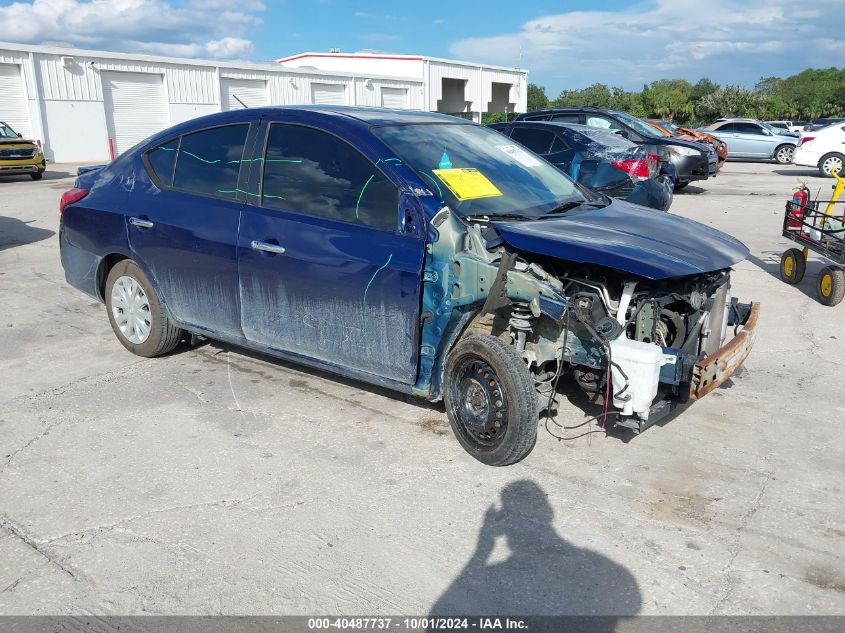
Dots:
pixel 712 371
pixel 805 159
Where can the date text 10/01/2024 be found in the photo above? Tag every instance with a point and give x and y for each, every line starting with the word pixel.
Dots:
pixel 414 624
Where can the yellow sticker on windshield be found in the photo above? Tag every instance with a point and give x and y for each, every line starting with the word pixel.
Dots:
pixel 467 184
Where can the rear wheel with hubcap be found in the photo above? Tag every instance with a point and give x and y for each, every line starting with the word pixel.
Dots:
pixel 792 266
pixel 831 286
pixel 783 154
pixel 490 400
pixel 135 313
pixel 830 163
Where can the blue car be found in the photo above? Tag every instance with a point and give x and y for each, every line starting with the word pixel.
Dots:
pixel 412 250
pixel 599 159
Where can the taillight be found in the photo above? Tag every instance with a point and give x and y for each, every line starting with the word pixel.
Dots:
pixel 653 165
pixel 70 196
pixel 637 167
pixel 805 139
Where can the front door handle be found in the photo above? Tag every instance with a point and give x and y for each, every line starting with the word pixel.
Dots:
pixel 141 222
pixel 267 247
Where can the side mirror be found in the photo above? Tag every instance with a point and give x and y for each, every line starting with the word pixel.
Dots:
pixel 765 131
pixel 20 135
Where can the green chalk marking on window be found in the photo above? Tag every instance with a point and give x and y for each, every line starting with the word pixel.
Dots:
pixel 210 162
pixel 375 274
pixel 247 193
pixel 361 195
pixel 434 182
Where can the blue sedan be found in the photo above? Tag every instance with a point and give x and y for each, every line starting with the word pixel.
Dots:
pixel 412 250
pixel 748 138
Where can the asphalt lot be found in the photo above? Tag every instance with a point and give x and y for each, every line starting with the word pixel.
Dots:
pixel 216 481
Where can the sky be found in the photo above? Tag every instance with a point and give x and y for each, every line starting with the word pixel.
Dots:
pixel 569 44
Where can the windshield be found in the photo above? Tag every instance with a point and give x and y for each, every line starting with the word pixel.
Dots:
pixel 668 125
pixel 643 128
pixel 478 172
pixel 7 132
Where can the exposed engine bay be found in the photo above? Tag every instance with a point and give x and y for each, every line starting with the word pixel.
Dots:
pixel 625 337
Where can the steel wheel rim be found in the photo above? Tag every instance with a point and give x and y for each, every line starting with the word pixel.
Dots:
pixel 784 155
pixel 830 164
pixel 826 285
pixel 788 265
pixel 479 404
pixel 130 309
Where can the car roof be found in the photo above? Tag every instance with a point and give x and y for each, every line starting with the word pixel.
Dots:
pixel 370 115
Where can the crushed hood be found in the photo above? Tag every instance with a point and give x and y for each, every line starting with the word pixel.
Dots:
pixel 627 237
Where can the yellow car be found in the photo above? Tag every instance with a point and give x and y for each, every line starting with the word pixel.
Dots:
pixel 19 155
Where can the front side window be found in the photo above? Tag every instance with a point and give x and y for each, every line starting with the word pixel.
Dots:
pixel 749 128
pixel 161 160
pixel 315 173
pixel 209 161
pixel 538 141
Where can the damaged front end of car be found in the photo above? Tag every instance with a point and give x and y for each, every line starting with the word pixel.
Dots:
pixel 646 338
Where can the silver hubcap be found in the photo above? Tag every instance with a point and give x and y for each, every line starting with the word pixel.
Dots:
pixel 832 164
pixel 130 309
pixel 785 155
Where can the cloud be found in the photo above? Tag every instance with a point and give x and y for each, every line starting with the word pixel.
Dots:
pixel 193 28
pixel 438 21
pixel 731 40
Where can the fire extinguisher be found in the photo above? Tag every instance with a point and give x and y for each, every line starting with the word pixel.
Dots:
pixel 799 202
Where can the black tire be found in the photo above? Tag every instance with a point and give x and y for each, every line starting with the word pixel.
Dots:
pixel 490 400
pixel 163 335
pixel 783 154
pixel 830 288
pixel 792 266
pixel 681 185
pixel 37 175
pixel 828 162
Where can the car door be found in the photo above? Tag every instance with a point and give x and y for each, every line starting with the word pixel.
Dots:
pixel 327 270
pixel 182 223
pixel 756 140
pixel 737 145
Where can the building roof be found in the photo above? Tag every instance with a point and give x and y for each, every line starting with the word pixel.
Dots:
pixel 271 67
pixel 397 57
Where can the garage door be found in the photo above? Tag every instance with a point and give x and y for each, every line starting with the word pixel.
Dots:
pixel 394 98
pixel 13 110
pixel 252 92
pixel 330 94
pixel 135 107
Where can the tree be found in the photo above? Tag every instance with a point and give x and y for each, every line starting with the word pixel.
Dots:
pixel 597 96
pixel 537 99
pixel 732 101
pixel 668 99
pixel 702 88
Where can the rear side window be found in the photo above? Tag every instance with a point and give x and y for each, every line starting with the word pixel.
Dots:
pixel 315 173
pixel 566 118
pixel 748 128
pixel 558 145
pixel 538 141
pixel 209 161
pixel 161 160
pixel 727 127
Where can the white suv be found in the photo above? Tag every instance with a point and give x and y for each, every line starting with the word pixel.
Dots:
pixel 789 126
pixel 824 148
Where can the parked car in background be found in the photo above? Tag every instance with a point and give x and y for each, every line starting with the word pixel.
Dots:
pixel 820 123
pixel 412 250
pixel 749 138
pixel 689 134
pixel 692 161
pixel 795 127
pixel 598 159
pixel 19 156
pixel 823 149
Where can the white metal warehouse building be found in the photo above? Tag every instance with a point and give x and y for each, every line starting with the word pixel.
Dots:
pixel 81 105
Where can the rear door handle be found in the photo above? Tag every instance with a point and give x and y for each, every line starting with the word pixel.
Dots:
pixel 267 247
pixel 141 222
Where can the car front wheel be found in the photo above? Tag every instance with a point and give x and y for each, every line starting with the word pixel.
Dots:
pixel 783 154
pixel 135 312
pixel 490 400
pixel 831 163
